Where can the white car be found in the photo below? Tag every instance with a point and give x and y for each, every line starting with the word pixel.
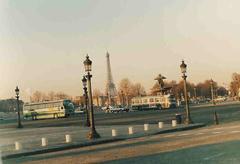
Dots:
pixel 115 109
pixel 79 111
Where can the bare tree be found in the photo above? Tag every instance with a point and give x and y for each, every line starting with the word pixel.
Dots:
pixel 61 95
pixel 96 94
pixel 138 90
pixel 126 87
pixel 37 96
pixel 155 89
pixel 203 89
pixel 235 84
pixel 51 96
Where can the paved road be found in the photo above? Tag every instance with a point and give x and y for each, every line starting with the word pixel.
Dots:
pixel 30 138
pixel 214 144
pixel 200 114
pixel 228 112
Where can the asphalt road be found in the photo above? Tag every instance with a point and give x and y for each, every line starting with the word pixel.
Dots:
pixel 227 112
pixel 214 144
pixel 143 149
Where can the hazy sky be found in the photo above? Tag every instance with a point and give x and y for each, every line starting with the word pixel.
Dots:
pixel 43 43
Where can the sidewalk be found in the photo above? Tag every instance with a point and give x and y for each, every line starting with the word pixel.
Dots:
pixel 30 139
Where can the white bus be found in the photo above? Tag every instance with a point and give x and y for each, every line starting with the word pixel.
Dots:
pixel 154 102
pixel 48 109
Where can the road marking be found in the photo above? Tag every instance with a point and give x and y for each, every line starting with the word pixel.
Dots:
pixel 233 126
pixel 199 134
pixel 236 131
pixel 185 134
pixel 229 127
pixel 213 156
pixel 171 135
pixel 216 132
pixel 217 128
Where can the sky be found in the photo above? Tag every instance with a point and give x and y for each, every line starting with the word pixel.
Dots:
pixel 43 43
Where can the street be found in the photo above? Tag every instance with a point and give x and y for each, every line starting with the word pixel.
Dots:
pixel 214 144
pixel 119 82
pixel 133 150
pixel 227 112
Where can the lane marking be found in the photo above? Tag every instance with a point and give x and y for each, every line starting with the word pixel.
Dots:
pixel 216 132
pixel 235 131
pixel 224 127
pixel 217 128
pixel 185 134
pixel 213 156
pixel 199 134
pixel 171 135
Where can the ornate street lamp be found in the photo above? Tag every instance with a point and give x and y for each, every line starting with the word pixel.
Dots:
pixel 195 93
pixel 215 116
pixel 84 81
pixel 88 67
pixel 18 109
pixel 212 91
pixel 183 67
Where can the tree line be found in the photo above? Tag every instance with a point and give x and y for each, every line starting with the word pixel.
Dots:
pixel 202 89
pixel 127 89
pixel 39 96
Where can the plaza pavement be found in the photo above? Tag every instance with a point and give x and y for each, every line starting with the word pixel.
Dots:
pixel 211 144
pixel 30 138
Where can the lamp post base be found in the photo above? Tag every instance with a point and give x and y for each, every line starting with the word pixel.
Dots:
pixel 20 126
pixel 216 118
pixel 93 135
pixel 188 121
pixel 87 124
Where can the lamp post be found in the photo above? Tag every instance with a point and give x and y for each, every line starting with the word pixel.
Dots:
pixel 212 91
pixel 195 93
pixel 88 67
pixel 18 109
pixel 122 95
pixel 183 67
pixel 84 81
pixel 215 116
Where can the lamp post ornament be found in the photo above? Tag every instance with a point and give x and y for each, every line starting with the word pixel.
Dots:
pixel 183 67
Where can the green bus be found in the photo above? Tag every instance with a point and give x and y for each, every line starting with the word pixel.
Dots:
pixel 48 109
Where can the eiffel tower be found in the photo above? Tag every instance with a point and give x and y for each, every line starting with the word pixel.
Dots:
pixel 110 88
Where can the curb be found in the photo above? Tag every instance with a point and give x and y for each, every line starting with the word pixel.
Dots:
pixel 60 148
pixel 94 142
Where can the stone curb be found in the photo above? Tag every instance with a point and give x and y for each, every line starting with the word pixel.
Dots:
pixel 95 142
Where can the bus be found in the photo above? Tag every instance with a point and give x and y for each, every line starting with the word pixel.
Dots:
pixel 48 109
pixel 154 102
